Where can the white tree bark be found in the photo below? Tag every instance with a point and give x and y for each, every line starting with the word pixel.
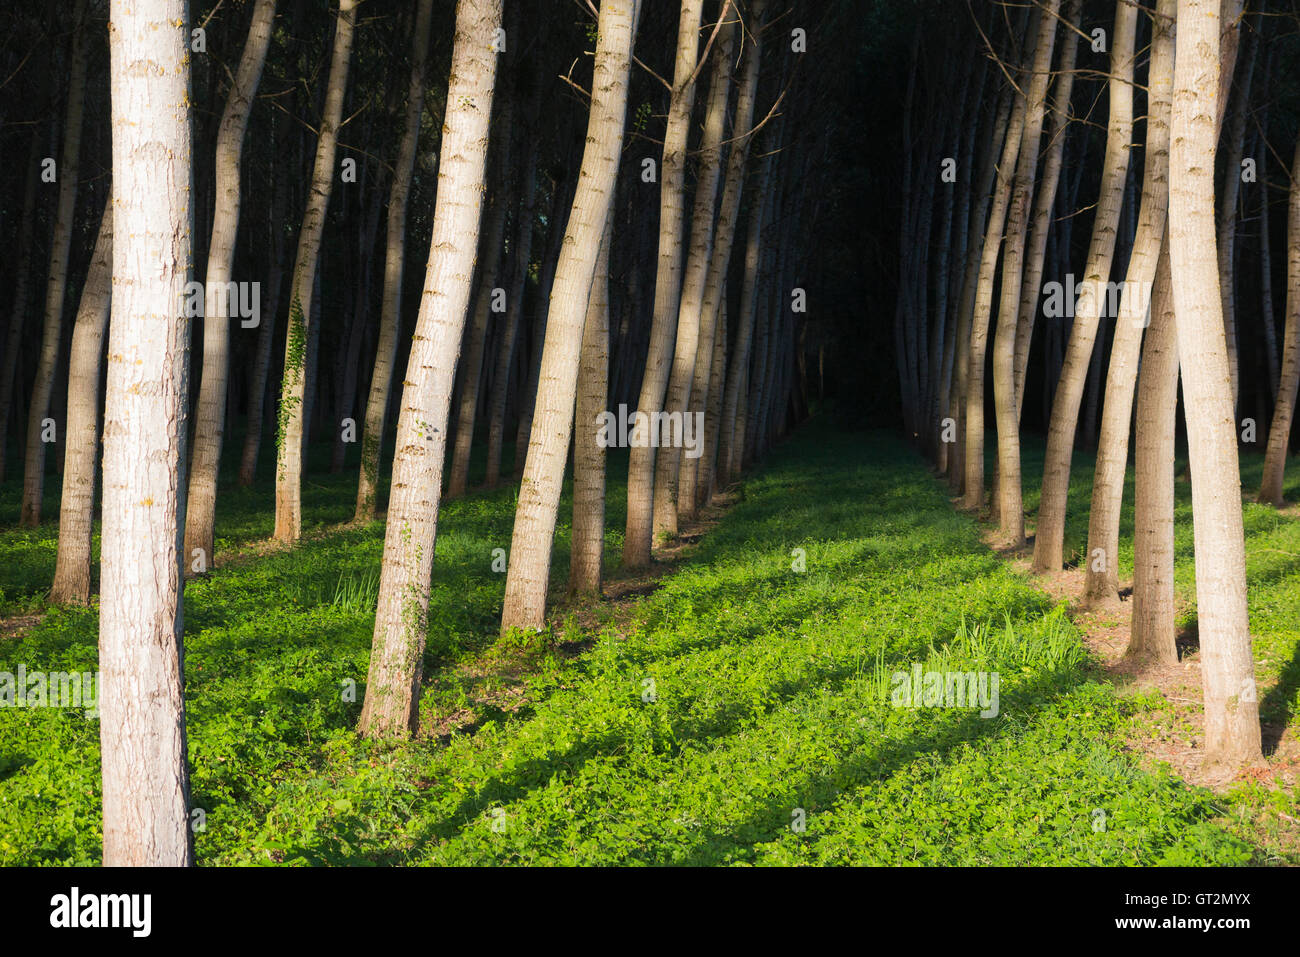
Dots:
pixel 1232 732
pixel 76 511
pixel 210 419
pixel 528 574
pixel 391 704
pixel 291 434
pixel 142 710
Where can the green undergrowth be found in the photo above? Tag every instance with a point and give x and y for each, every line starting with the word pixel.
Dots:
pixel 748 711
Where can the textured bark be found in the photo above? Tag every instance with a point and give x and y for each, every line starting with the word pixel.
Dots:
pixel 1049 534
pixel 1279 433
pixel 732 431
pixel 1232 732
pixel 476 334
pixel 1235 141
pixel 528 574
pixel 1152 631
pixel 587 552
pixel 690 318
pixel 1041 223
pixel 1102 559
pixel 668 285
pixel 210 420
pixel 689 497
pixel 973 461
pixel 294 411
pixel 391 705
pixel 381 379
pixel 1010 508
pixel 713 410
pixel 68 169
pixel 71 584
pixel 141 705
pixel 997 133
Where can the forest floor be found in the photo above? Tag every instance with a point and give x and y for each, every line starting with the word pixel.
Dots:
pixel 745 702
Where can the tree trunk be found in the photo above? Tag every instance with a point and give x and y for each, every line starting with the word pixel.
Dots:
pixel 716 282
pixel 294 401
pixel 691 315
pixel 1010 508
pixel 1153 622
pixel 476 335
pixel 141 704
pixel 528 574
pixel 668 286
pixel 76 512
pixel 1279 433
pixel 209 427
pixel 392 700
pixel 1232 732
pixel 1235 139
pixel 587 552
pixel 1102 559
pixel 381 379
pixel 68 170
pixel 1049 535
pixel 973 462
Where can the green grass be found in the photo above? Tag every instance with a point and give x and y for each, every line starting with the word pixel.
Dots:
pixel 741 713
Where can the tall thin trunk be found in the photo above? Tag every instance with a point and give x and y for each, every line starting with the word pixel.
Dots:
pixel 731 432
pixel 1279 433
pixel 294 395
pixel 973 462
pixel 668 286
pixel 1049 535
pixel 716 282
pixel 476 334
pixel 392 699
pixel 1041 226
pixel 1153 622
pixel 1102 559
pixel 1232 732
pixel 210 424
pixel 381 379
pixel 1010 508
pixel 691 315
pixel 1235 140
pixel 76 512
pixel 528 574
pixel 587 552
pixel 68 171
pixel 141 703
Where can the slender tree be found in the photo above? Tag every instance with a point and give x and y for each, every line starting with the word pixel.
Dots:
pixel 391 705
pixel 142 710
pixel 294 388
pixel 76 512
pixel 1232 732
pixel 68 173
pixel 668 285
pixel 1279 434
pixel 209 428
pixel 1049 534
pixel 528 574
pixel 381 380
